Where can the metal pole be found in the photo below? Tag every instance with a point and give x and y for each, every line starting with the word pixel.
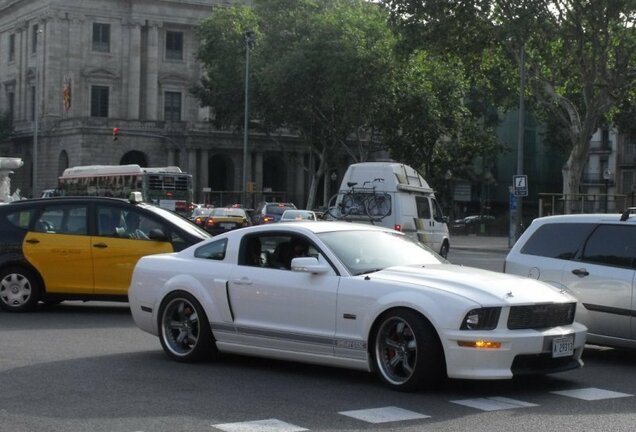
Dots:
pixel 520 138
pixel 248 43
pixel 36 115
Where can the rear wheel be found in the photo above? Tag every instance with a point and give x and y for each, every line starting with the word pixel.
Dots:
pixel 407 352
pixel 20 289
pixel 444 249
pixel 184 330
pixel 333 209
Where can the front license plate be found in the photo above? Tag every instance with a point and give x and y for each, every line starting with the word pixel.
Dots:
pixel 563 346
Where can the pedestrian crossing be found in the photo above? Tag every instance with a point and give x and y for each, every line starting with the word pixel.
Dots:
pixel 392 414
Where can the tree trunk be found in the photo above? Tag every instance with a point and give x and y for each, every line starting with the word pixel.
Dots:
pixel 315 178
pixel 573 168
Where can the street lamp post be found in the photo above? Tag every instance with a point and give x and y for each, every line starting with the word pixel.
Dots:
pixel 36 116
pixel 249 44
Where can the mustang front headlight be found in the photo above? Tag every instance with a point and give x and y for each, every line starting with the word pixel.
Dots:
pixel 481 319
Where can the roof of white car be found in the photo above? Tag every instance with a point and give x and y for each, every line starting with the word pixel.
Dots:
pixel 586 217
pixel 317 227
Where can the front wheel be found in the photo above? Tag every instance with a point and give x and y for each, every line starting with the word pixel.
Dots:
pixel 407 352
pixel 184 330
pixel 20 289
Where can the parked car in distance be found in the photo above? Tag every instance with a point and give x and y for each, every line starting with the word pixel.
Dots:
pixel 222 219
pixel 591 256
pixel 81 248
pixel 471 224
pixel 298 215
pixel 372 299
pixel 199 215
pixel 268 212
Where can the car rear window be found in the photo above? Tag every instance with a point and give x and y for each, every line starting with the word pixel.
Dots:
pixel 278 209
pixel 21 218
pixel 558 240
pixel 613 245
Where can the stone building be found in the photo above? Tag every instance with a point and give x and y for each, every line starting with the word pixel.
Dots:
pixel 72 71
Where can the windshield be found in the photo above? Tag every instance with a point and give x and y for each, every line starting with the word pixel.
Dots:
pixel 368 251
pixel 182 222
pixel 277 209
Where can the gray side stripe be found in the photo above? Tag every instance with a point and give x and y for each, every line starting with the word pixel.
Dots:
pixel 292 337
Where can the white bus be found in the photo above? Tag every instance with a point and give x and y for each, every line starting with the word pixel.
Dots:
pixel 167 187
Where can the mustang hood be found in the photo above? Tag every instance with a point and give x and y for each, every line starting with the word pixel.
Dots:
pixel 483 286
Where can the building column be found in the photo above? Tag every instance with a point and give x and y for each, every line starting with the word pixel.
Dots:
pixel 258 171
pixel 192 169
pixel 152 74
pixel 172 159
pixel 74 55
pixel 203 174
pixel 134 71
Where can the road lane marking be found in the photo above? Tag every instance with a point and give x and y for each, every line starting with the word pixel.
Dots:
pixel 268 425
pixel 591 394
pixel 384 415
pixel 493 403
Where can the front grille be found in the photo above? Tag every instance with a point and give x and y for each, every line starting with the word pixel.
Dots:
pixel 528 364
pixel 541 316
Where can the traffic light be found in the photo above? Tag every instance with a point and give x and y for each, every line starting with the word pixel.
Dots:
pixel 115 133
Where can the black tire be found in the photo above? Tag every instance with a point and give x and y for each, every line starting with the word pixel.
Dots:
pixel 407 352
pixel 20 289
pixel 443 251
pixel 184 329
pixel 378 206
pixel 334 210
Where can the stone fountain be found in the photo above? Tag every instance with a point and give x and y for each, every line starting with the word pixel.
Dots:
pixel 7 165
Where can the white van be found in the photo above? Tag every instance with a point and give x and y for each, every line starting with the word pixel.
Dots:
pixel 400 199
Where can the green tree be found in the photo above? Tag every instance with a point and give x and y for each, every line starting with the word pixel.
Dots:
pixel 580 55
pixel 320 68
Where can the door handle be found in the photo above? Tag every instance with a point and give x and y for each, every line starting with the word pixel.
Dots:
pixel 580 272
pixel 33 241
pixel 100 245
pixel 242 281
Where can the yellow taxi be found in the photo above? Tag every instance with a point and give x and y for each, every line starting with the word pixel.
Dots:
pixel 81 248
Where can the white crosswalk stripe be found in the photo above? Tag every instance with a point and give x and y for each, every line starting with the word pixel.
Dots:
pixel 269 425
pixel 384 415
pixel 493 403
pixel 591 394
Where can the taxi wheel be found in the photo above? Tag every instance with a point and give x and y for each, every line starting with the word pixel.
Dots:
pixel 184 329
pixel 20 289
pixel 407 352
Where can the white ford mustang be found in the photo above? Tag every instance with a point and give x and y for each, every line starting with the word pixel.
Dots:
pixel 356 296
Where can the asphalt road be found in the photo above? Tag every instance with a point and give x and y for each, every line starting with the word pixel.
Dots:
pixel 86 367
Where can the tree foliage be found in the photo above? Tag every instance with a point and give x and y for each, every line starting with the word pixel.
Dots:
pixel 580 54
pixel 335 73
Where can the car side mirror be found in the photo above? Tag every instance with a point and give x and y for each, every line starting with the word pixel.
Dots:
pixel 308 265
pixel 157 234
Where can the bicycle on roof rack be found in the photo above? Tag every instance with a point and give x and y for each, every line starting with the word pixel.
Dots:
pixel 360 201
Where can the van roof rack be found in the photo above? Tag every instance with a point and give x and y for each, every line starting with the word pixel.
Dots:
pixel 627 212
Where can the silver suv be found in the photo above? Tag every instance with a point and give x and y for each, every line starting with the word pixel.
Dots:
pixel 594 257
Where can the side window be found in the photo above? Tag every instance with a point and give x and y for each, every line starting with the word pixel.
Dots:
pixel 108 220
pixel 423 207
pixel 212 251
pixel 62 219
pixel 558 240
pixel 438 215
pixel 613 245
pixel 20 219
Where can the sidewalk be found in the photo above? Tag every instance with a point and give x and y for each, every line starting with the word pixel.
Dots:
pixel 483 243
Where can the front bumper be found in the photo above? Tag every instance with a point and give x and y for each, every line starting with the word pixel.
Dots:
pixel 521 352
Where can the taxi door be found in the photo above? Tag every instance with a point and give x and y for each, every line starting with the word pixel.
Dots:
pixel 118 245
pixel 59 247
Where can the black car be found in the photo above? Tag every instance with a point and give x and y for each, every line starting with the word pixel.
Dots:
pixel 82 248
pixel 268 212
